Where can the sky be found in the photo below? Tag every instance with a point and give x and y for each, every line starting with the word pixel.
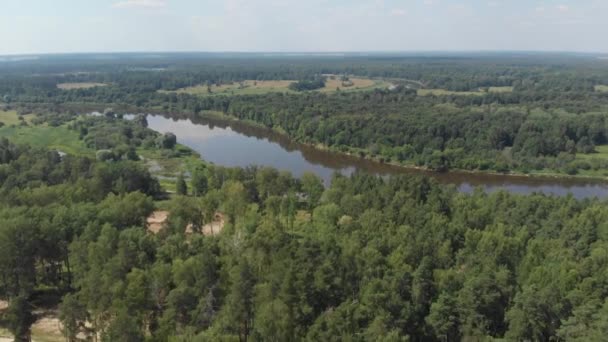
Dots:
pixel 63 26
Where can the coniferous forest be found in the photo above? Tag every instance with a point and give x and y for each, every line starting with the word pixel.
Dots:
pixel 365 258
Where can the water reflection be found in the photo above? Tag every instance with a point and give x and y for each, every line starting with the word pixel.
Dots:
pixel 236 144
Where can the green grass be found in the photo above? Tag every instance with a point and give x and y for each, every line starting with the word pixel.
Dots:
pixel 601 152
pixel 500 89
pixel 251 87
pixel 79 85
pixel 359 84
pixel 601 88
pixel 248 87
pixel 11 117
pixel 167 169
pixel 59 138
pixel 65 140
pixel 443 92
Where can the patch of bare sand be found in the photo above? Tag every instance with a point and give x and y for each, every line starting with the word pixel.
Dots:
pixel 213 228
pixel 49 327
pixel 157 219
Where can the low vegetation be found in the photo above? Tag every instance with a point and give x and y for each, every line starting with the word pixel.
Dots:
pixel 79 85
pixel 12 118
pixel 479 92
pixel 601 88
pixel 332 84
pixel 247 87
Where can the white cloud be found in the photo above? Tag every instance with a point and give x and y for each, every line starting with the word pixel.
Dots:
pixel 430 2
pixel 140 4
pixel 563 8
pixel 398 12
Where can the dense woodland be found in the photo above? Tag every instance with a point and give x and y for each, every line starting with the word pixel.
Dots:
pixel 366 259
pixel 552 114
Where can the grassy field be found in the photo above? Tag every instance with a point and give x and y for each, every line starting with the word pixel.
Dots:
pixel 251 87
pixel 248 87
pixel 358 84
pixel 10 117
pixel 79 85
pixel 59 138
pixel 601 88
pixel 65 140
pixel 500 89
pixel 443 92
pixel 601 152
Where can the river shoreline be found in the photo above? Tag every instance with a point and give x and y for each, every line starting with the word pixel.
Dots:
pixel 228 119
pixel 321 147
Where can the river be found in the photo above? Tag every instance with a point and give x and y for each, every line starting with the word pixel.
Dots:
pixel 236 144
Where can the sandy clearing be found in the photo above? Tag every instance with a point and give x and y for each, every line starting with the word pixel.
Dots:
pixel 213 228
pixel 157 219
pixel 49 326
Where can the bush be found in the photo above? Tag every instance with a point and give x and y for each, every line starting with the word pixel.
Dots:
pixel 571 169
pixel 105 155
pixel 167 141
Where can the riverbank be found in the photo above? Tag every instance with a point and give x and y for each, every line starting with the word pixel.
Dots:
pixel 352 154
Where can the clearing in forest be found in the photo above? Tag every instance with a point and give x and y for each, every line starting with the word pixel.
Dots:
pixel 443 92
pixel 248 87
pixel 47 327
pixel 59 138
pixel 252 87
pixel 500 89
pixel 601 88
pixel 334 82
pixel 10 117
pixel 79 85
pixel 156 221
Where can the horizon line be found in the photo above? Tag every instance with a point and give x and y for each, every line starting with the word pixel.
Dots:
pixel 422 51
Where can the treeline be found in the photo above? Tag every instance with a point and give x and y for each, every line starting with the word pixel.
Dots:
pixel 150 73
pixel 501 132
pixel 439 133
pixel 304 85
pixel 552 114
pixel 365 259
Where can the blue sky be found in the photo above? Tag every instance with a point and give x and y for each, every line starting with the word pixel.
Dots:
pixel 50 26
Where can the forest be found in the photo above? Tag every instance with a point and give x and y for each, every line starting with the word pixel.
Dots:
pixel 550 107
pixel 366 258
